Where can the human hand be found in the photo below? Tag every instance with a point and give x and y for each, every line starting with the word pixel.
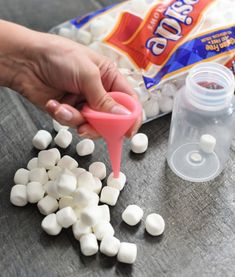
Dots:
pixel 58 74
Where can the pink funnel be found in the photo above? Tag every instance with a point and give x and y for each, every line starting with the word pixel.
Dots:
pixel 113 127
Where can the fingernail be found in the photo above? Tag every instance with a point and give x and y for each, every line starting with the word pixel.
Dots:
pixel 53 104
pixel 64 114
pixel 117 109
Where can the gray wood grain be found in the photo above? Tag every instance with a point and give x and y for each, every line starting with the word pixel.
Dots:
pixel 199 239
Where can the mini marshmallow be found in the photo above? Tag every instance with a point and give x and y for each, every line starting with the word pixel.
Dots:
pixel 80 229
pixel 21 176
pixel 94 214
pixel 117 183
pixel 54 172
pixel 78 171
pixel 42 139
pixel 65 32
pixel 127 253
pixel 169 90
pixel 57 126
pixel 142 93
pixel 66 217
pixel 88 244
pixel 98 169
pixel 83 198
pixel 154 224
pixel 51 189
pixel 48 158
pixel 139 143
pixel 66 184
pixel 207 143
pixel 132 215
pixel 63 139
pixel 109 245
pixel 50 225
pixel 98 27
pixel 38 175
pixel 66 201
pixel 33 163
pixel 166 104
pixel 77 210
pixel 109 195
pixel 86 180
pixel 85 147
pixel 151 108
pixel 18 196
pixel 98 185
pixel 83 37
pixel 67 162
pixel 47 205
pixel 35 192
pixel 102 229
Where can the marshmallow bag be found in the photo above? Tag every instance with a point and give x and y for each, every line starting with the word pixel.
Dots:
pixel 155 42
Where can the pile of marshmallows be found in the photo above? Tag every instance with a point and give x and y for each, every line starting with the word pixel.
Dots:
pixel 68 195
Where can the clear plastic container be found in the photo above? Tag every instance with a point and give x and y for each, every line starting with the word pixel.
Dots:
pixel 204 106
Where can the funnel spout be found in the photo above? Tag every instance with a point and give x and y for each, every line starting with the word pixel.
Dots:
pixel 115 154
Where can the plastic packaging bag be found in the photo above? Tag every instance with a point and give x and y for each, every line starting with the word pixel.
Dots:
pixel 155 42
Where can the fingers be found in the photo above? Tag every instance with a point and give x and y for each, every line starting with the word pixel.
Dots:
pixel 96 95
pixel 87 131
pixel 64 113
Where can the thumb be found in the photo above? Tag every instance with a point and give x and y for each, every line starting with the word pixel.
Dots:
pixel 97 97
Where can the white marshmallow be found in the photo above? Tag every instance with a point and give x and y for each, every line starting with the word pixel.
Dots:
pixel 154 224
pixel 80 229
pixel 38 175
pixel 103 228
pixel 117 183
pixel 65 32
pixel 33 163
pixel 94 214
pixel 98 185
pixel 66 184
pixel 21 176
pixel 109 245
pixel 142 94
pixel 169 90
pixel 50 225
pixel 48 158
pixel 47 205
pixel 98 169
pixel 57 126
pixel 86 180
pixel 98 27
pixel 151 108
pixel 35 192
pixel 51 189
pixel 66 217
pixel 109 195
pixel 42 139
pixel 77 210
pixel 84 198
pixel 88 244
pixel 132 215
pixel 166 104
pixel 54 172
pixel 85 147
pixel 67 162
pixel 66 201
pixel 83 37
pixel 18 196
pixel 127 253
pixel 78 171
pixel 207 143
pixel 139 143
pixel 63 138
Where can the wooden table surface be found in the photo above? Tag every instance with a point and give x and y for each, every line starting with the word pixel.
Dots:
pixel 199 239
